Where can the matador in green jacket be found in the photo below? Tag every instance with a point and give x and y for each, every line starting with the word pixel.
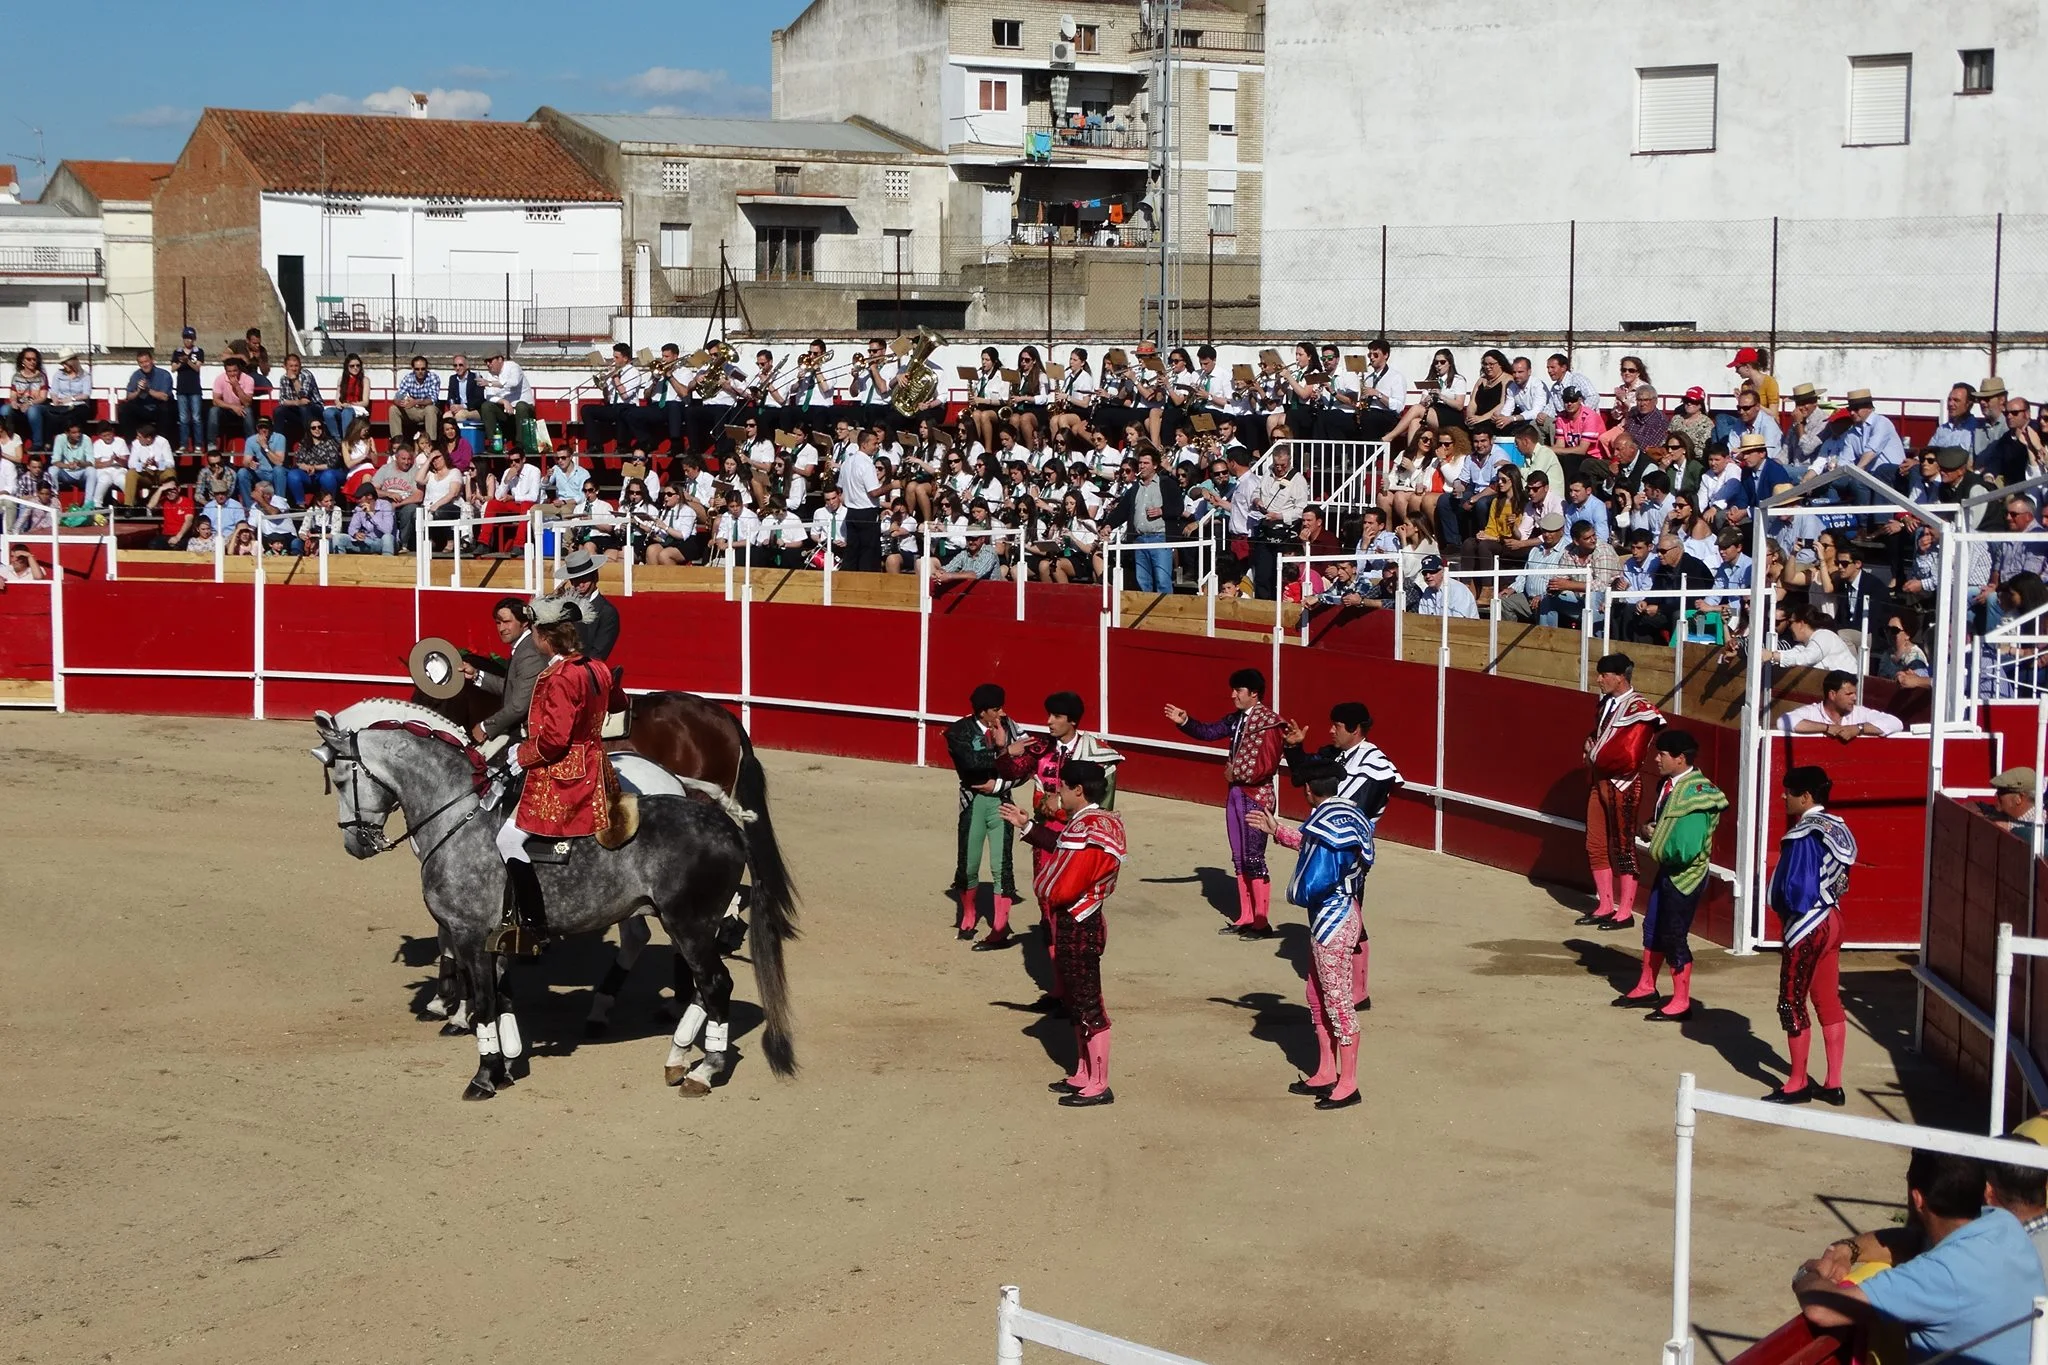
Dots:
pixel 1681 844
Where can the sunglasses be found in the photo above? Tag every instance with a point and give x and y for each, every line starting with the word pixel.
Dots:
pixel 1630 369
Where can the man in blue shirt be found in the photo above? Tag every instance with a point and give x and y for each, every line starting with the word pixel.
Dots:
pixel 262 459
pixel 1580 505
pixel 1761 475
pixel 1872 441
pixel 1976 1274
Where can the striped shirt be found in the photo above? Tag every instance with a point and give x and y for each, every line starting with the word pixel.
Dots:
pixel 1329 874
pixel 1814 858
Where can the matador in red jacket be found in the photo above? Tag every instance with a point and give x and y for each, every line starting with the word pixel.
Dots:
pixel 1620 742
pixel 569 780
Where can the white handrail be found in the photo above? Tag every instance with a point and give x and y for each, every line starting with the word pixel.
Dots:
pixel 1016 1324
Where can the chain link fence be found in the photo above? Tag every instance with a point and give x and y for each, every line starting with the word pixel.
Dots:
pixel 1891 278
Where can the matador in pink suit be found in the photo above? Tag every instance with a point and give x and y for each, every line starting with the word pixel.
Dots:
pixel 1257 740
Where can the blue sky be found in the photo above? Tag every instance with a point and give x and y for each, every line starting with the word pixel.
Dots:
pixel 137 92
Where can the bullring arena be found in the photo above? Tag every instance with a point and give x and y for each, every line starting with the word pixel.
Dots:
pixel 235 1138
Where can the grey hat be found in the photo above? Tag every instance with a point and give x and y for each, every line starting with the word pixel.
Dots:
pixel 1552 521
pixel 558 607
pixel 581 564
pixel 2021 780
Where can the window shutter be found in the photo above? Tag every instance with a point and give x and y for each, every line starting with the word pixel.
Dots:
pixel 1222 108
pixel 1675 108
pixel 1879 88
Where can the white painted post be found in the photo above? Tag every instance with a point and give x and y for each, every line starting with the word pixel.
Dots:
pixel 56 619
pixel 729 555
pixel 1009 1346
pixel 1209 587
pixel 831 565
pixel 924 638
pixel 747 644
pixel 1116 577
pixel 628 560
pixel 323 561
pixel 455 540
pixel 220 558
pixel 1585 630
pixel 1443 671
pixel 422 557
pixel 113 556
pixel 1678 1347
pixel 2001 1024
pixel 2037 1335
pixel 1279 628
pixel 256 643
pixel 1755 706
pixel 1677 609
pixel 1102 671
pixel 1493 624
pixel 1019 573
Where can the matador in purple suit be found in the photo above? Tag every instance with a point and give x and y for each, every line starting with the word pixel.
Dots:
pixel 1256 743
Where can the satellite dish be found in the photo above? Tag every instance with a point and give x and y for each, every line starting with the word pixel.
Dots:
pixel 1068 29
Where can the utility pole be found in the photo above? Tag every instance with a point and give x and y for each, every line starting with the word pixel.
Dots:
pixel 1161 17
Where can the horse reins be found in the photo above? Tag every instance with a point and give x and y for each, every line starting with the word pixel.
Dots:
pixel 479 780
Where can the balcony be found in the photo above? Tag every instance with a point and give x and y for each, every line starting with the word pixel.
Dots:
pixel 50 260
pixel 1199 40
pixel 1042 141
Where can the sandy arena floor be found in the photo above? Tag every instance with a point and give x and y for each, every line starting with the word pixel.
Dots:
pixel 229 1138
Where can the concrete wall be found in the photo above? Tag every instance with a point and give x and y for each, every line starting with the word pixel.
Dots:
pixel 879 59
pixel 130 261
pixel 1555 140
pixel 209 266
pixel 35 310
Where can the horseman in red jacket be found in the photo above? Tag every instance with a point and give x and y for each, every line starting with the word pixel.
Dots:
pixel 569 780
pixel 1622 734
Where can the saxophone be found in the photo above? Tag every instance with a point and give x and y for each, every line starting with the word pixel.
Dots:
pixel 712 380
pixel 918 386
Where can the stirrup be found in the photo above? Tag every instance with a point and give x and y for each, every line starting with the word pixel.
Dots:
pixel 514 940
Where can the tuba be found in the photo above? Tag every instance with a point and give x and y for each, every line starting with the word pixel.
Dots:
pixel 918 386
pixel 712 380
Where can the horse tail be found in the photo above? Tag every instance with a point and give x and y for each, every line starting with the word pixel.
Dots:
pixel 773 907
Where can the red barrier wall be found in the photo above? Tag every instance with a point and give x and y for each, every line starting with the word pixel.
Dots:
pixel 1506 741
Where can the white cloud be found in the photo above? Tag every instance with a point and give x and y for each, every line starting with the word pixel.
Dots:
pixel 158 116
pixel 398 100
pixel 687 90
pixel 479 73
pixel 671 80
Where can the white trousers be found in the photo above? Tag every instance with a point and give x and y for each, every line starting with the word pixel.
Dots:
pixel 512 842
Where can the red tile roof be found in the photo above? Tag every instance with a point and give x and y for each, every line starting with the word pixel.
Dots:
pixel 118 180
pixel 407 157
pixel 7 174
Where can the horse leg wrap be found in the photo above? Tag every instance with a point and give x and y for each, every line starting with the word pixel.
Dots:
pixel 686 1035
pixel 717 1061
pixel 601 1007
pixel 509 1040
pixel 487 1040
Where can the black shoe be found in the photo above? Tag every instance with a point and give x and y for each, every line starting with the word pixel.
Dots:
pixel 964 935
pixel 1803 1095
pixel 996 943
pixel 1233 928
pixel 1590 918
pixel 1830 1094
pixel 1047 1004
pixel 1304 1088
pixel 1355 1097
pixel 1637 1002
pixel 1063 1087
pixel 1366 1004
pixel 1662 1016
pixel 1608 926
pixel 1256 931
pixel 1079 1101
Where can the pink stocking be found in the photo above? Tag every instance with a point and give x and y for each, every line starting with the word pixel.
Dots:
pixel 1262 899
pixel 1244 901
pixel 1681 991
pixel 1098 1064
pixel 967 915
pixel 1625 898
pixel 1326 1056
pixel 1835 1038
pixel 1603 888
pixel 1800 1046
pixel 1361 964
pixel 1347 1071
pixel 1079 1079
pixel 1646 984
pixel 1002 924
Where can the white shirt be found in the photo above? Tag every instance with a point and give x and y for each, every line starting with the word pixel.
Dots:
pixel 1884 721
pixel 628 384
pixel 829 527
pixel 508 386
pixel 109 451
pixel 1386 388
pixel 524 487
pixel 858 482
pixel 992 387
pixel 761 454
pixel 154 453
pixel 784 530
pixel 739 530
pixel 728 376
pixel 1825 650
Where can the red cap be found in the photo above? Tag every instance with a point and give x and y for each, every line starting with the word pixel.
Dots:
pixel 1745 356
pixel 1695 394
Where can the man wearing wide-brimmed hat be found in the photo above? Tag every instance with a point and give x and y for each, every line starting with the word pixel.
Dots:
pixel 1872 441
pixel 600 617
pixel 1809 421
pixel 1960 425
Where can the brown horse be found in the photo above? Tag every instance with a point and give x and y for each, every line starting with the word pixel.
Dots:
pixel 694 738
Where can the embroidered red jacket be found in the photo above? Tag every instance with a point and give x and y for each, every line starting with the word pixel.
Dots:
pixel 1621 740
pixel 569 780
pixel 1086 855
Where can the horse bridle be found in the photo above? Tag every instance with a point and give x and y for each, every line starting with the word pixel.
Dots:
pixel 373 830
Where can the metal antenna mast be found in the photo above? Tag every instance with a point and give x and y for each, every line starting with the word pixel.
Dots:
pixel 1161 17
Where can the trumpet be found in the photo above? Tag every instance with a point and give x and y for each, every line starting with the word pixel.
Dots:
pixel 716 358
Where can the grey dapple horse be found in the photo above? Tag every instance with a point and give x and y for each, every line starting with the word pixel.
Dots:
pixel 684 865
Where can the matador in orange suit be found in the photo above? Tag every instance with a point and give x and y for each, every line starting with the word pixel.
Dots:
pixel 1621 739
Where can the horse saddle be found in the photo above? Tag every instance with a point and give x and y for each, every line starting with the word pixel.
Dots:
pixel 552 849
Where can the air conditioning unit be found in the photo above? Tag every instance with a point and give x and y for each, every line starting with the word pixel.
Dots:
pixel 1063 53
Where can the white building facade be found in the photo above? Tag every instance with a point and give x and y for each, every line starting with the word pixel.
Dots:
pixel 1838 166
pixel 53 280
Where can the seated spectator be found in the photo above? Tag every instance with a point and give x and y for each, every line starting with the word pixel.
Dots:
pixel 1899 659
pixel 214 474
pixel 415 404
pixel 271 520
pixel 562 486
pixel 441 492
pixel 151 465
pixel 1644 422
pixel 1572 593
pixel 1761 475
pixel 243 541
pixel 736 525
pixel 2017 453
pixel 1580 505
pixel 204 540
pixel 324 523
pixel 1960 425
pixel 2013 796
pixel 70 394
pixel 1976 1272
pixel 514 492
pixel 147 396
pixel 318 466
pixel 679 537
pixel 234 394
pixel 262 460
pixel 71 460
pixel 1578 427
pixel 398 485
pixel 1673 570
pixel 28 397
pixel 465 396
pixel 1814 643
pixel 352 398
pixel 975 563
pixel 1872 441
pixel 180 514
pixel 1752 420
pixel 1849 593
pixel 298 400
pixel 21 567
pixel 508 402
pixel 828 527
pixel 109 473
pixel 1537 458
pixel 1438 594
pixel 369 526
pixel 2021 1191
pixel 1839 714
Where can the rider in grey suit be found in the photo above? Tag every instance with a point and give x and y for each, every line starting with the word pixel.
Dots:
pixel 513 618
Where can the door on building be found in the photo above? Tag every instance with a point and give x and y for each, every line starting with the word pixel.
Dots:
pixel 996 205
pixel 291 287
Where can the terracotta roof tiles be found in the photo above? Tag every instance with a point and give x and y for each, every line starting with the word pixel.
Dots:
pixel 118 180
pixel 382 155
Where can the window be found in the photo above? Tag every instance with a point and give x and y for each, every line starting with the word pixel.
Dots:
pixel 995 97
pixel 1880 89
pixel 1675 108
pixel 343 205
pixel 786 178
pixel 1223 215
pixel 1977 71
pixel 1223 102
pixel 543 213
pixel 442 206
pixel 1009 33
pixel 785 253
pixel 1086 37
pixel 896 184
pixel 74 312
pixel 675 177
pixel 675 244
